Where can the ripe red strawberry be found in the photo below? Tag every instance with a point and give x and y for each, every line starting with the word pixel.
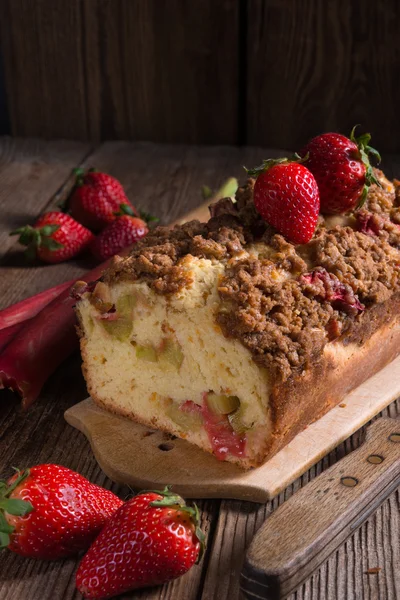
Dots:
pixel 125 231
pixel 55 237
pixel 96 198
pixel 151 539
pixel 286 196
pixel 341 168
pixel 50 512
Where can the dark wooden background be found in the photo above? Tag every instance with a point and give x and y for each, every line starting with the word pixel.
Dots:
pixel 256 72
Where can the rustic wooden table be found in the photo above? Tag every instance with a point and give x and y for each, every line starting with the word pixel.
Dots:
pixel 165 180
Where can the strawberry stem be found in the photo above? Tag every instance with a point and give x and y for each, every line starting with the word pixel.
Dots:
pixel 271 162
pixel 168 498
pixel 35 238
pixel 12 506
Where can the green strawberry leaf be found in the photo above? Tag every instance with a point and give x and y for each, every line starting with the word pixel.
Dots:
pixel 18 508
pixel 4 540
pixel 26 234
pixel 51 244
pixel 79 181
pixel 168 498
pixel 4 526
pixel 125 209
pixel 21 475
pixel 147 217
pixel 199 533
pixel 48 230
pixel 365 151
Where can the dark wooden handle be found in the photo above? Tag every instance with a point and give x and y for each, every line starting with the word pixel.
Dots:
pixel 297 538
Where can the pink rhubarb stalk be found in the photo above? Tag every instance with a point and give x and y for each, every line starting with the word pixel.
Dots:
pixel 30 307
pixel 9 333
pixel 48 339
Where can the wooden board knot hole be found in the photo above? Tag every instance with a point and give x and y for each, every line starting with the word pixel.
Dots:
pixel 349 481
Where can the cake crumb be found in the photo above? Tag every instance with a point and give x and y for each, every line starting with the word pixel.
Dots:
pixel 373 571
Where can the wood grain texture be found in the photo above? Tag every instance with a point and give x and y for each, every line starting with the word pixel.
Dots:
pixel 44 71
pixel 162 71
pixel 318 66
pixel 101 69
pixel 32 173
pixel 268 72
pixel 344 574
pixel 296 539
pixel 42 434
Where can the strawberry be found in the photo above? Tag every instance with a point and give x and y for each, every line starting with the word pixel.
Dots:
pixel 126 230
pixel 55 237
pixel 50 512
pixel 286 196
pixel 151 539
pixel 341 168
pixel 96 198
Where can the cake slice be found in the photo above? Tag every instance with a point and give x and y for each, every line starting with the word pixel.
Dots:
pixel 226 335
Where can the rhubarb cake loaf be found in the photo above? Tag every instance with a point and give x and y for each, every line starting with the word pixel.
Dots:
pixel 227 335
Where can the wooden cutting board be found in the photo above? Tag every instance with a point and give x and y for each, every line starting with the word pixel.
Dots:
pixel 146 459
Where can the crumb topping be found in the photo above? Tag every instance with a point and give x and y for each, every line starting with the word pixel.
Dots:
pixel 334 283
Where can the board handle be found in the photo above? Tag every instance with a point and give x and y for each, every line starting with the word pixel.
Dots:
pixel 302 533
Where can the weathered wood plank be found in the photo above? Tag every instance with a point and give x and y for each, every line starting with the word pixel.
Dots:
pixel 238 522
pixel 158 71
pixel 41 44
pixel 318 66
pixel 31 173
pixel 162 71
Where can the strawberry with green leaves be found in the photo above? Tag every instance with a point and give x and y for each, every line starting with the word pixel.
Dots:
pixel 151 539
pixel 286 196
pixel 54 238
pixel 96 198
pixel 126 230
pixel 342 169
pixel 50 512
